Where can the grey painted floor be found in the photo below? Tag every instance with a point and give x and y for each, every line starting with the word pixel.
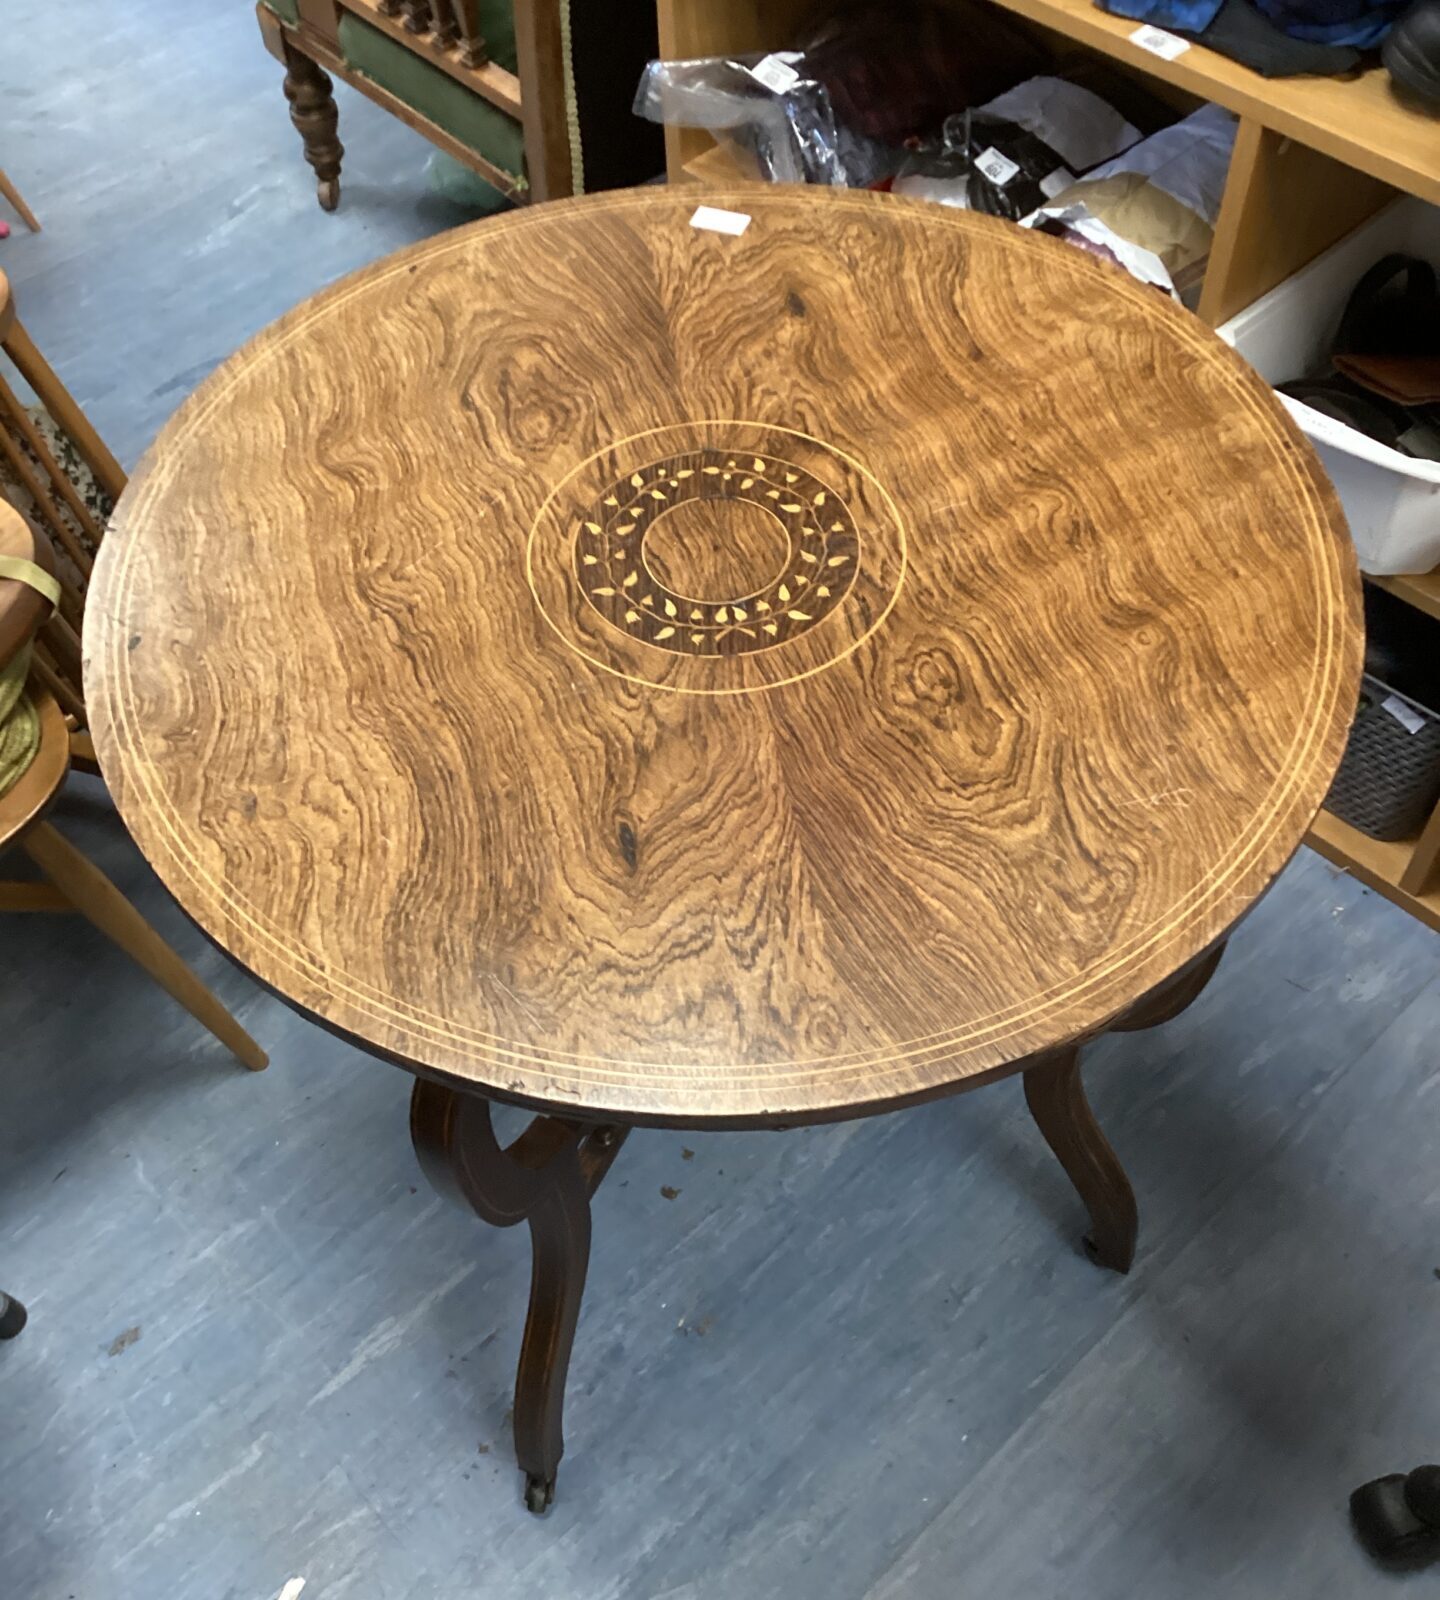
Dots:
pixel 864 1361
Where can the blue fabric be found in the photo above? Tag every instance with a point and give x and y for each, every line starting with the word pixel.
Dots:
pixel 1362 23
pixel 1192 15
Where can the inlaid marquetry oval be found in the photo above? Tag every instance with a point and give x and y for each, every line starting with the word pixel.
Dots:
pixel 814 565
pixel 646 671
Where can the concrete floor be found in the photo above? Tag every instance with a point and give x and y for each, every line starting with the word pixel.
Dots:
pixel 864 1361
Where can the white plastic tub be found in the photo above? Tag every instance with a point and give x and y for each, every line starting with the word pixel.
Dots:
pixel 1392 501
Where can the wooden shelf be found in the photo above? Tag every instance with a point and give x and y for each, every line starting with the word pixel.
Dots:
pixel 717 168
pixel 1374 862
pixel 1422 591
pixel 1313 159
pixel 1362 122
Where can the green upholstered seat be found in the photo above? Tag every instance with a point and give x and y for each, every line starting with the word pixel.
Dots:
pixel 431 90
pixel 585 134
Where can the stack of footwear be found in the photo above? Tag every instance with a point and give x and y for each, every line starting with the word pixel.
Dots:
pixel 1384 376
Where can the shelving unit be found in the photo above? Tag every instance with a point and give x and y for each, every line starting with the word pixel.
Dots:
pixel 1314 158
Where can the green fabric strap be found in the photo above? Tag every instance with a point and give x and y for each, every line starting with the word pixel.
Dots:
pixel 33 577
pixel 19 720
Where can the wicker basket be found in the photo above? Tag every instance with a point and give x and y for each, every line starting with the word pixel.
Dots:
pixel 1389 779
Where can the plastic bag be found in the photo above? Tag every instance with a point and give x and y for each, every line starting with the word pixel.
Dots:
pixel 780 120
pixel 1009 156
pixel 1031 142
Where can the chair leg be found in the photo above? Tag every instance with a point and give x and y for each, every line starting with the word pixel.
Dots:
pixel 97 899
pixel 12 194
pixel 313 111
pixel 82 753
pixel 1057 1102
pixel 12 1316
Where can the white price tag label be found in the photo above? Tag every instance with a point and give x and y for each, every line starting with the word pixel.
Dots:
pixel 1159 43
pixel 718 221
pixel 999 169
pixel 776 73
pixel 1407 716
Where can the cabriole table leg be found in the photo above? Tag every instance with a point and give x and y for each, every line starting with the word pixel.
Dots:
pixel 1057 1102
pixel 546 1178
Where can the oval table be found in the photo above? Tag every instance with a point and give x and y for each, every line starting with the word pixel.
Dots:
pixel 665 674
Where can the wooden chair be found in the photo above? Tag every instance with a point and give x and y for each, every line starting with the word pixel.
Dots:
pixel 56 471
pixel 532 95
pixel 66 480
pixel 74 883
pixel 31 221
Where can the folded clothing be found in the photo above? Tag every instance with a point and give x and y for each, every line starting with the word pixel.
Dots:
pixel 1236 29
pixel 1359 23
pixel 1242 33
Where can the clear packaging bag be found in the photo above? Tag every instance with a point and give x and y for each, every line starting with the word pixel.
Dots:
pixel 778 121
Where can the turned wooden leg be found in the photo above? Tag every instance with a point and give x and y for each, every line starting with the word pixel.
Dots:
pixel 98 900
pixel 1056 1098
pixel 546 1178
pixel 12 1316
pixel 313 111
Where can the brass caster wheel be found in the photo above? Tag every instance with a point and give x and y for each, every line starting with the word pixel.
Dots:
pixel 539 1494
pixel 327 191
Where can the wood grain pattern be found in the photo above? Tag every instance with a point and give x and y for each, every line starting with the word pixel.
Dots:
pixel 370 725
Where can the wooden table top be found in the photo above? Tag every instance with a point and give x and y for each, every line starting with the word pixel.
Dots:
pixel 637 669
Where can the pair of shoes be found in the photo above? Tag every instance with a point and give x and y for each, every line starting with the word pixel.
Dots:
pixel 1383 378
pixel 1411 50
pixel 1397 1518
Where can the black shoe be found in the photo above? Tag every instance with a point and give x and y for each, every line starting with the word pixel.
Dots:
pixel 1395 1518
pixel 12 1317
pixel 1411 50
